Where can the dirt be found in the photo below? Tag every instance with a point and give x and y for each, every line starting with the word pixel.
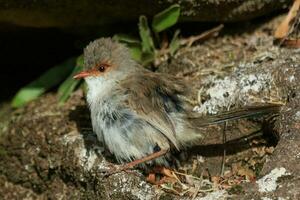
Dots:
pixel 49 151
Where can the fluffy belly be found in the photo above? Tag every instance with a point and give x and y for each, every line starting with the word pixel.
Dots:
pixel 128 137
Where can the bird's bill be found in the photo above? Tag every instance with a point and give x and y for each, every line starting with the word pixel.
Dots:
pixel 82 74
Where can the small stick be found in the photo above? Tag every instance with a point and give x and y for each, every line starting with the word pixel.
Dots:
pixel 207 34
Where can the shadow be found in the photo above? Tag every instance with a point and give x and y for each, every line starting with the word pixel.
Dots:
pixel 81 116
pixel 268 134
pixel 232 147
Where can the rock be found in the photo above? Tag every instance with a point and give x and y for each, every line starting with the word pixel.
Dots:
pixel 45 154
pixel 91 13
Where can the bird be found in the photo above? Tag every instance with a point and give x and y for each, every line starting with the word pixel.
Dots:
pixel 142 116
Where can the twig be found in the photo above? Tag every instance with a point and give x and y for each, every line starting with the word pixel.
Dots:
pixel 207 34
pixel 196 192
pixel 163 53
pixel 194 177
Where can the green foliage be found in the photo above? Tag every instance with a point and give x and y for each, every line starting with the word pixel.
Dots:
pixel 174 44
pixel 144 50
pixel 46 81
pixel 145 34
pixel 166 18
pixel 134 45
pixel 69 85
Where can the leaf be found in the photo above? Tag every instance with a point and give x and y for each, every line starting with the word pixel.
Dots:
pixel 136 52
pixel 49 79
pixel 133 44
pixel 145 34
pixel 175 43
pixel 126 39
pixel 166 18
pixel 69 85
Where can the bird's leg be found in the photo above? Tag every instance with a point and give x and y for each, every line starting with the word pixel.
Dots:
pixel 145 159
pixel 132 164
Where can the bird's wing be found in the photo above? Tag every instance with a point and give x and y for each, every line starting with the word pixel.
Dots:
pixel 153 97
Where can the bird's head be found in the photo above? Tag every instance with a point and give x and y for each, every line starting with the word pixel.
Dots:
pixel 106 59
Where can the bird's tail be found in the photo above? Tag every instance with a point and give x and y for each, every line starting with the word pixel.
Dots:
pixel 246 112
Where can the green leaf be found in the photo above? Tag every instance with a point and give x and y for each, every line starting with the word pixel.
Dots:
pixel 166 18
pixel 133 44
pixel 145 34
pixel 49 79
pixel 136 52
pixel 174 44
pixel 123 38
pixel 69 85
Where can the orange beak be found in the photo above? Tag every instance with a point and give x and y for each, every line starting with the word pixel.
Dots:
pixel 82 74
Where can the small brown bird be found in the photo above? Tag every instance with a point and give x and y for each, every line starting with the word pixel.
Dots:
pixel 140 115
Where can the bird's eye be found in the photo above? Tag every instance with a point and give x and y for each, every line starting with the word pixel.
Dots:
pixel 101 68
